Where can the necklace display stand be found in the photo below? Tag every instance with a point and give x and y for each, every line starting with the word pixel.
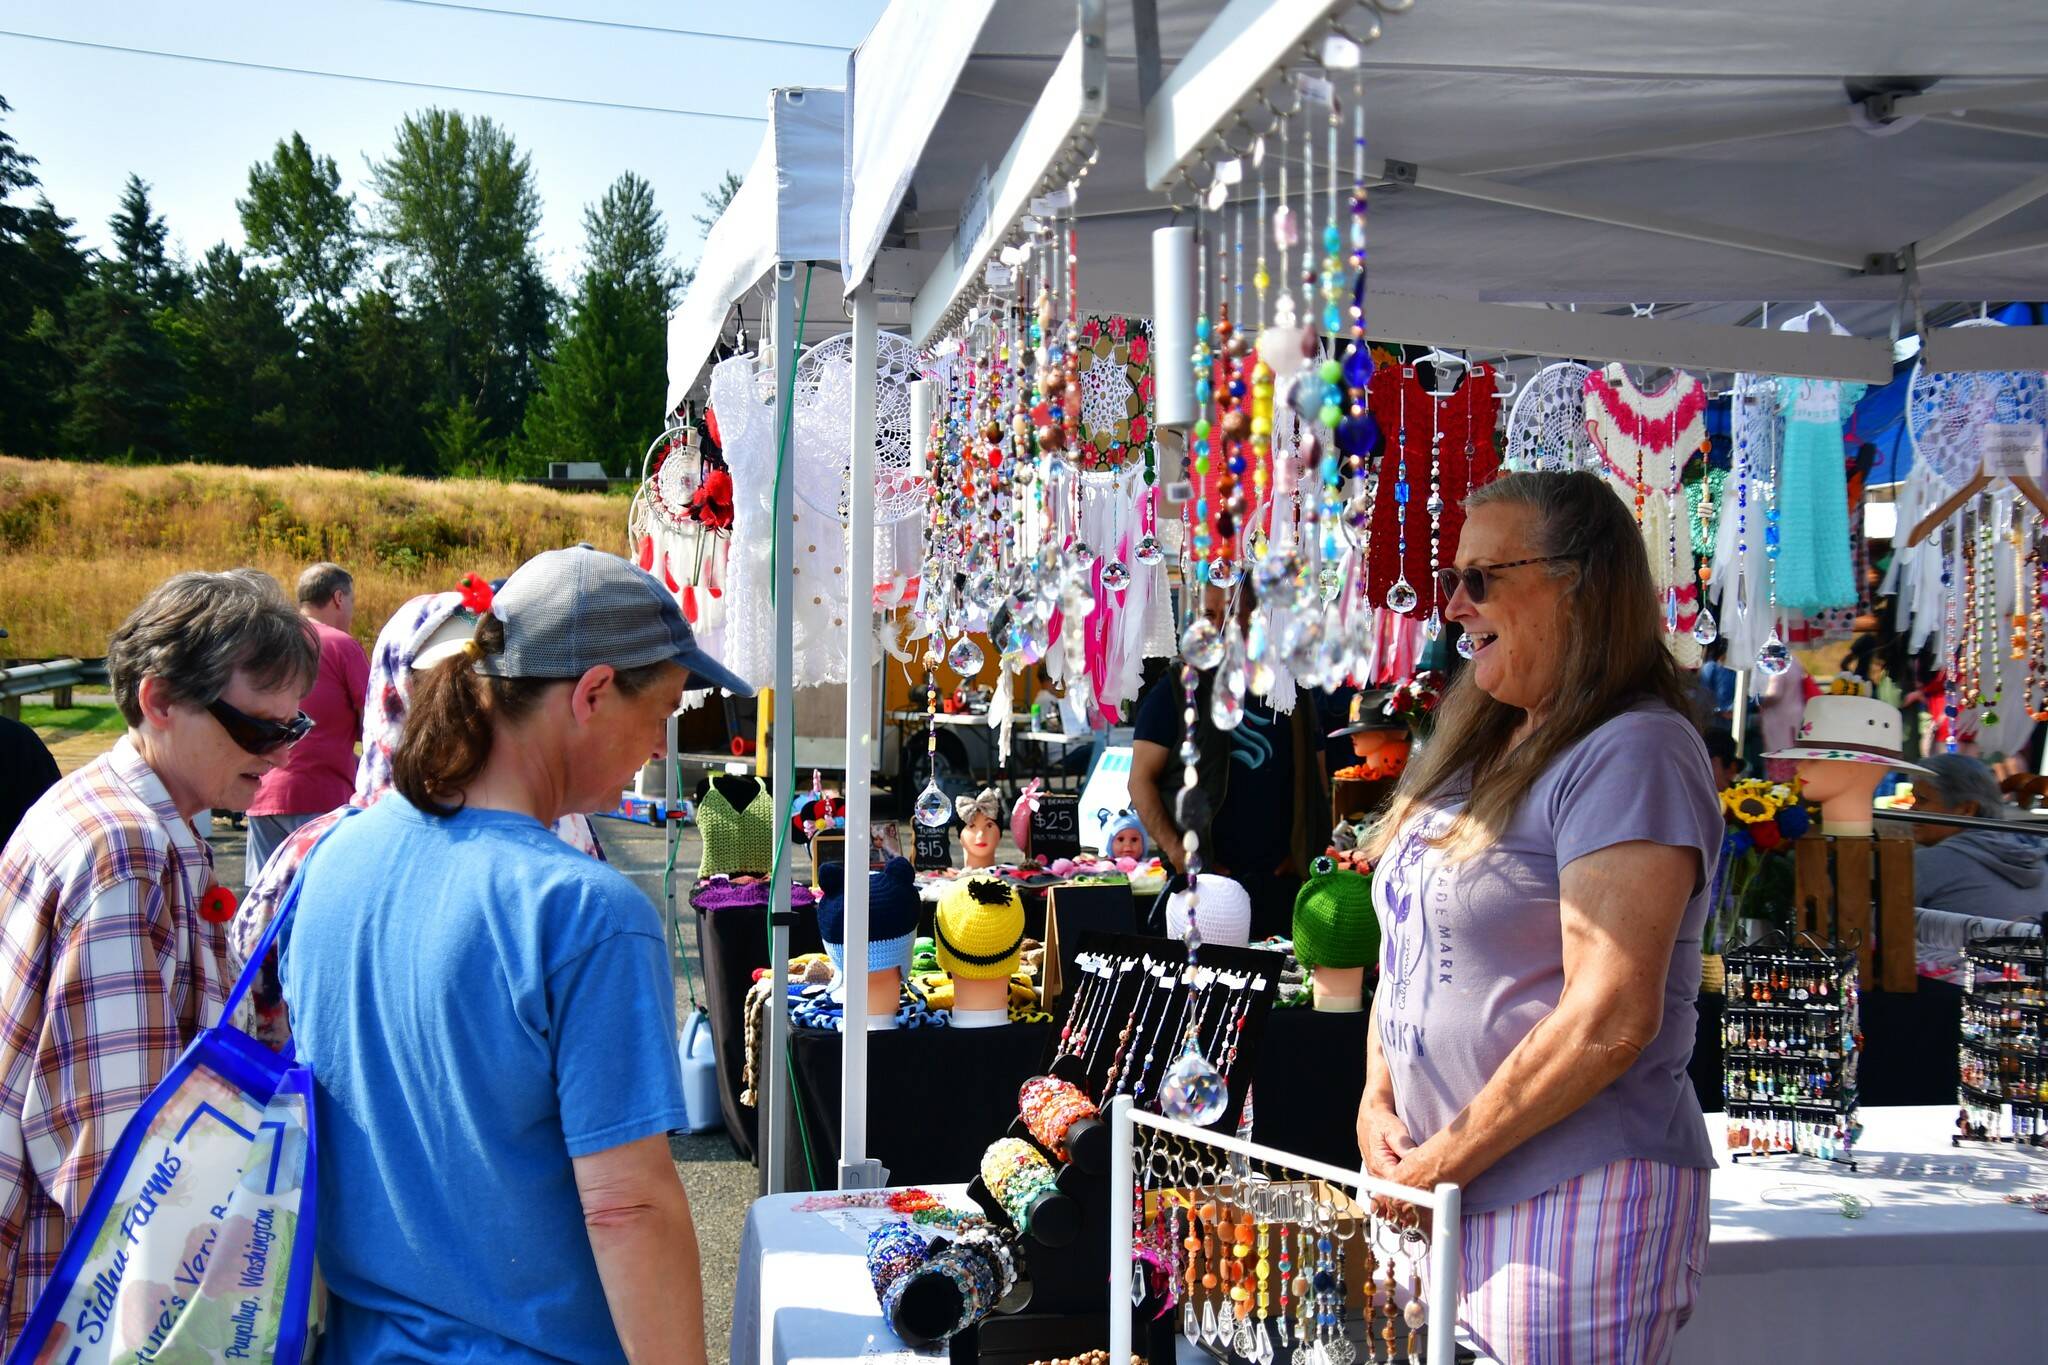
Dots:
pixel 1058 1309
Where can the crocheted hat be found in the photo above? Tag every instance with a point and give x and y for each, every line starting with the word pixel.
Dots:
pixel 980 929
pixel 1223 912
pixel 892 915
pixel 1118 824
pixel 1334 922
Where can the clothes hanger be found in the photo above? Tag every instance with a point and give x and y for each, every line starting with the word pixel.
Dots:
pixel 1932 522
pixel 1439 361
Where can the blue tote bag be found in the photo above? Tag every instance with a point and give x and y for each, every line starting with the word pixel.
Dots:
pixel 196 1245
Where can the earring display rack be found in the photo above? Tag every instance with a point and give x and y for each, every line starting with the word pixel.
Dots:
pixel 2004 1091
pixel 1260 1256
pixel 1792 1041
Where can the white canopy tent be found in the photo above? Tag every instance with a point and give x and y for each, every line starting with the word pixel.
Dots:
pixel 1541 169
pixel 785 211
pixel 1548 152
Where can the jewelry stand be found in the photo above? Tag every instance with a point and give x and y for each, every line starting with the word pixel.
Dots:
pixel 1792 1041
pixel 1058 1310
pixel 2004 1091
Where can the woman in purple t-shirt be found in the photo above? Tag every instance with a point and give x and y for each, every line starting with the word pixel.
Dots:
pixel 1542 885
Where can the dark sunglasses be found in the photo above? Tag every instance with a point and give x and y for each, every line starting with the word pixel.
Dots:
pixel 255 734
pixel 1475 579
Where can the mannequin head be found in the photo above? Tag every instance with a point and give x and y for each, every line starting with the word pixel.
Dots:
pixel 978 840
pixel 980 826
pixel 1842 788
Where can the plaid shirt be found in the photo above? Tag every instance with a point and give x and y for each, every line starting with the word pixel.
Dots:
pixel 106 974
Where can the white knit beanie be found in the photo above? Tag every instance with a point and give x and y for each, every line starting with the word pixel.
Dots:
pixel 1223 910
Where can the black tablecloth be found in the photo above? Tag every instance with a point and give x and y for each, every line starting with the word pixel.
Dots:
pixel 733 945
pixel 937 1097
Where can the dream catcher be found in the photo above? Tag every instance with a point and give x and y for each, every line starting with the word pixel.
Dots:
pixel 823 453
pixel 681 515
pixel 1547 425
pixel 1946 413
pixel 1115 364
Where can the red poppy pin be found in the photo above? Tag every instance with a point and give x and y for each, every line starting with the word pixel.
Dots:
pixel 476 594
pixel 218 905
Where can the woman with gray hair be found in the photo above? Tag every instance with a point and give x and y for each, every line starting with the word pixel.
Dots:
pixel 1542 882
pixel 1985 873
pixel 112 928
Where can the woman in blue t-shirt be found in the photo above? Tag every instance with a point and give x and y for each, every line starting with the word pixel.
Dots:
pixel 488 1013
pixel 1541 881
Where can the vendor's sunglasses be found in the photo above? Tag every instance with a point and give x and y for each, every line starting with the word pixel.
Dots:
pixel 1475 579
pixel 255 734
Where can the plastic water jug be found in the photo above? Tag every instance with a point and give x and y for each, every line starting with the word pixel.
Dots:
pixel 700 1073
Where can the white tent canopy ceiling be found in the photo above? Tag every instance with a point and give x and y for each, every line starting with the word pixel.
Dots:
pixel 1555 152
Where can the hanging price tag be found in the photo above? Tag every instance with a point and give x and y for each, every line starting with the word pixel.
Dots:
pixel 1230 172
pixel 1041 206
pixel 997 277
pixel 1340 53
pixel 2011 450
pixel 1315 89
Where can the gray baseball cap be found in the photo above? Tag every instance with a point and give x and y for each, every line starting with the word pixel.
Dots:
pixel 567 611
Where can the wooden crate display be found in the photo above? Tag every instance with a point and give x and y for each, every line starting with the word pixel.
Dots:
pixel 1861 887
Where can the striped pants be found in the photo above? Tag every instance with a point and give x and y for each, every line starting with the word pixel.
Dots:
pixel 1602 1270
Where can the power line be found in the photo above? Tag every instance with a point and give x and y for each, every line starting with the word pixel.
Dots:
pixel 384 80
pixel 620 24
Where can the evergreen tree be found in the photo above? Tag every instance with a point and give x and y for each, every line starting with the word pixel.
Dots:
pixel 141 263
pixel 604 390
pixel 126 381
pixel 240 355
pixel 459 210
pixel 40 264
pixel 381 390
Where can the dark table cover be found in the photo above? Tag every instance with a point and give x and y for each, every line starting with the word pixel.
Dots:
pixel 733 945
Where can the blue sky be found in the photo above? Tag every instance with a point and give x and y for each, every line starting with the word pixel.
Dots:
pixel 192 130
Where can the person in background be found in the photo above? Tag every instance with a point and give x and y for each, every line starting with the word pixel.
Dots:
pixel 112 951
pixel 26 771
pixel 1717 683
pixel 321 771
pixel 1981 872
pixel 488 1014
pixel 1270 764
pixel 1721 753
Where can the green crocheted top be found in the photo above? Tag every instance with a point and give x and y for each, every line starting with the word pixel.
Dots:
pixel 736 842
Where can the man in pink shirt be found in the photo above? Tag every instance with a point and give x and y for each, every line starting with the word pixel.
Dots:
pixel 320 774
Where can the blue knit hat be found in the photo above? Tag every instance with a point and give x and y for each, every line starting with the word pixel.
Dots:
pixel 892 915
pixel 1122 821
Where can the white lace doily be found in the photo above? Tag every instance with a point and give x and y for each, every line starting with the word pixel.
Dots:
pixel 1547 425
pixel 824 420
pixel 1946 413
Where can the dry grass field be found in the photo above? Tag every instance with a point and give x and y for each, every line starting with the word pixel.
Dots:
pixel 81 544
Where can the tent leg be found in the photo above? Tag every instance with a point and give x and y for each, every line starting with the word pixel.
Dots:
pixel 857 1170
pixel 777 1108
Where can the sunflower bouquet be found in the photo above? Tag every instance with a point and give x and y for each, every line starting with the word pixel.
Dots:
pixel 1753 879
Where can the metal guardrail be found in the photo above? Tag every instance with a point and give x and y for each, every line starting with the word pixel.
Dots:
pixel 57 677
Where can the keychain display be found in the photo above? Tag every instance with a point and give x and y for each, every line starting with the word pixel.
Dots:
pixel 1792 1042
pixel 2004 1061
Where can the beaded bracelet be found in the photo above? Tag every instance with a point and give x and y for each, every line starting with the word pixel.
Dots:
pixel 1050 1106
pixel 1016 1174
pixel 988 1242
pixel 894 1250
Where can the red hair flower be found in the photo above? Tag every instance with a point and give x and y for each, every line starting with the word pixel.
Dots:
pixel 476 594
pixel 218 905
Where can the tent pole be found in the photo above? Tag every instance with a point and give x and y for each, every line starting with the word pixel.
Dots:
pixel 777 1108
pixel 2007 204
pixel 858 1171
